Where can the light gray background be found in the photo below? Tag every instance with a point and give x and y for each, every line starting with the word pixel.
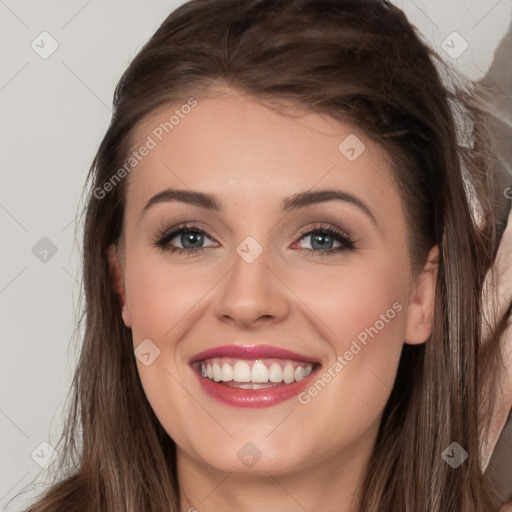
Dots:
pixel 53 114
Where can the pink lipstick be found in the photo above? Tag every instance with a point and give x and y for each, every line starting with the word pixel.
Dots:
pixel 253 375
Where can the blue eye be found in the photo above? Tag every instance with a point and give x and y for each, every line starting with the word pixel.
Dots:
pixel 192 239
pixel 322 240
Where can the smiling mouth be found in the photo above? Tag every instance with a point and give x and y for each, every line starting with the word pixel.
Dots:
pixel 255 373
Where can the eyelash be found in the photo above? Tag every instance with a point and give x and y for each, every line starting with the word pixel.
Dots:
pixel 163 238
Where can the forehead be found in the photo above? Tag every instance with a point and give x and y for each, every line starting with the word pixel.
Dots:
pixel 234 146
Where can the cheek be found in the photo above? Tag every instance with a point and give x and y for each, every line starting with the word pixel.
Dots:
pixel 357 300
pixel 160 295
pixel 165 300
pixel 360 310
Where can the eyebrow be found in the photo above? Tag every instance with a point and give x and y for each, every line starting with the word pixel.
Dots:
pixel 296 201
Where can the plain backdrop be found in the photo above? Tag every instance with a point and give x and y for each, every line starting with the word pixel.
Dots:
pixel 59 64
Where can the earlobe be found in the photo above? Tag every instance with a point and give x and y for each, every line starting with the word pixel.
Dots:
pixel 421 304
pixel 117 281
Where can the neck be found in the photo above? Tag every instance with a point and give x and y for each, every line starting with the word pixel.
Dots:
pixel 329 486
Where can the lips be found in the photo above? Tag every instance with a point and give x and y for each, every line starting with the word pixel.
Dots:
pixel 252 352
pixel 253 376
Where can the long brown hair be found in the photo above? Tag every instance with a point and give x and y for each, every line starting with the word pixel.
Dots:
pixel 359 61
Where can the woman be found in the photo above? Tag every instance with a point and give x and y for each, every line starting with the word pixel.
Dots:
pixel 283 272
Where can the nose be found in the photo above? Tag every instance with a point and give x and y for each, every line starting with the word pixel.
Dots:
pixel 252 293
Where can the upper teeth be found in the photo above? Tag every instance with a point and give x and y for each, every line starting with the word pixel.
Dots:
pixel 241 371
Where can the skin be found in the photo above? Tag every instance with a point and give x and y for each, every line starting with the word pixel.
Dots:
pixel 251 158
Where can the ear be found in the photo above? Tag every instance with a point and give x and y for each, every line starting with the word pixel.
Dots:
pixel 117 279
pixel 421 304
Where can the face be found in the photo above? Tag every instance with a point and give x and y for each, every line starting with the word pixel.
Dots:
pixel 306 297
